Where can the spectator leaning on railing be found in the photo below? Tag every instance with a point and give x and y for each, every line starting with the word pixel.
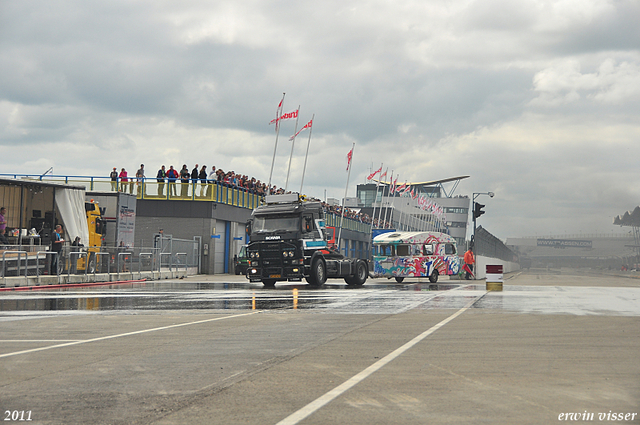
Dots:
pixel 160 176
pixel 114 179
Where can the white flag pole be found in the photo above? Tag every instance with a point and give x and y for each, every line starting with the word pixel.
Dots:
pixel 293 142
pixel 393 202
pixel 386 216
pixel 373 213
pixel 304 169
pixel 345 195
pixel 401 209
pixel 381 199
pixel 278 113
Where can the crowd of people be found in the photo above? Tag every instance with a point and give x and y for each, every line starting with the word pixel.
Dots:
pixel 356 215
pixel 199 174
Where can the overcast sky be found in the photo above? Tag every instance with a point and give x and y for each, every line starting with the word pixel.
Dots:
pixel 537 101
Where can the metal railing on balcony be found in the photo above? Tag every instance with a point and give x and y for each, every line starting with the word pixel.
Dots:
pixel 151 189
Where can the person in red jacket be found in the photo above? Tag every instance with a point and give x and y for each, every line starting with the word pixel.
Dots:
pixel 469 261
pixel 172 175
pixel 124 180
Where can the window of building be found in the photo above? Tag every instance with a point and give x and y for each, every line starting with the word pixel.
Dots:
pixel 452 210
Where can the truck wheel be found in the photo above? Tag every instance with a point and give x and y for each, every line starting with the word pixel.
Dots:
pixel 399 279
pixel 269 283
pixel 360 276
pixel 434 276
pixel 318 273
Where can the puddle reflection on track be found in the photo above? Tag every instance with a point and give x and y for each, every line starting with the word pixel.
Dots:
pixel 161 295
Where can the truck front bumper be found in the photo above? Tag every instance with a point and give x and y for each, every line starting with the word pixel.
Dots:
pixel 292 273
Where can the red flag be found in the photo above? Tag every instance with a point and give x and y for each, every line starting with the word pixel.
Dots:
pixel 401 188
pixel 307 125
pixel 349 156
pixel 383 174
pixel 287 116
pixel 394 186
pixel 372 175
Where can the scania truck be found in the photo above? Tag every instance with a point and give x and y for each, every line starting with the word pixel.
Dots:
pixel 288 242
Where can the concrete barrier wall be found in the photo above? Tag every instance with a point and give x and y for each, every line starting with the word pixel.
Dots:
pixel 481 263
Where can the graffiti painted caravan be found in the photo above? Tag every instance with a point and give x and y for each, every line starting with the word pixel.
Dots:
pixel 415 254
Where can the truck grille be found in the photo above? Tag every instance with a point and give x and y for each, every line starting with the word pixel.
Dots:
pixel 270 251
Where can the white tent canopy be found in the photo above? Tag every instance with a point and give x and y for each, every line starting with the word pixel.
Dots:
pixel 70 203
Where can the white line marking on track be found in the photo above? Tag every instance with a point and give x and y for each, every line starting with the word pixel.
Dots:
pixel 40 340
pixel 318 403
pixel 102 338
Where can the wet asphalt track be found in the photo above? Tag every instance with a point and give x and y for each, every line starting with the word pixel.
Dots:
pixel 218 350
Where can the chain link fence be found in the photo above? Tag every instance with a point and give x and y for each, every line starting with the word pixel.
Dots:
pixel 488 245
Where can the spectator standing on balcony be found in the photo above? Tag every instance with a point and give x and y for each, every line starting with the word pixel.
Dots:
pixel 172 176
pixel 194 174
pixel 114 179
pixel 160 179
pixel 212 179
pixel 184 178
pixel 202 175
pixel 123 180
pixel 140 180
pixel 194 178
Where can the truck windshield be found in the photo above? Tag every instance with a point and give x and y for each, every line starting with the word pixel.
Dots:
pixel 274 224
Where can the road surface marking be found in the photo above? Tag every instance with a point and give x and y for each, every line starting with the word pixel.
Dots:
pixel 102 338
pixel 318 403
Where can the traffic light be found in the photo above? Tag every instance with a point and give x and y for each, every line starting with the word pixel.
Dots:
pixel 477 210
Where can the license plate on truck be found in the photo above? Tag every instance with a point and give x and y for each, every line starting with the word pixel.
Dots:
pixel 274 275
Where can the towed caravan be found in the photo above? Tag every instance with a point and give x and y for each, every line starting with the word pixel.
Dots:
pixel 415 254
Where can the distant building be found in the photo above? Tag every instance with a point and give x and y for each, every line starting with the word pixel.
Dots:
pixel 404 212
pixel 583 251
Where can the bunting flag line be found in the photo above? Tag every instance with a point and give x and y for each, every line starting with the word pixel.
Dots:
pixel 372 175
pixel 349 156
pixel 307 125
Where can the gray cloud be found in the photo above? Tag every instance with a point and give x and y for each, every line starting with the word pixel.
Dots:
pixel 534 99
